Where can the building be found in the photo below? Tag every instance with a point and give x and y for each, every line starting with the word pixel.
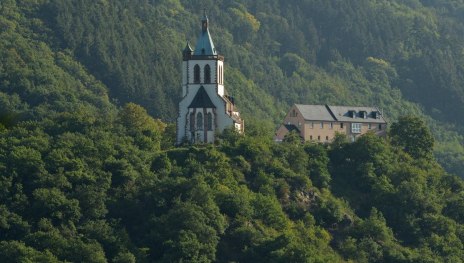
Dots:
pixel 205 108
pixel 320 123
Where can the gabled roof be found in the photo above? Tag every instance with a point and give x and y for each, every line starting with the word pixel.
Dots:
pixel 202 100
pixel 205 46
pixel 339 113
pixel 315 112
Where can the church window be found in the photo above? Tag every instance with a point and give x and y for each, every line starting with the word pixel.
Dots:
pixel 196 74
pixel 200 121
pixel 192 121
pixel 207 74
pixel 210 121
pixel 220 75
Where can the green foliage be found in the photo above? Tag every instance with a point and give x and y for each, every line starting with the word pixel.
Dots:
pixel 87 175
pixel 411 134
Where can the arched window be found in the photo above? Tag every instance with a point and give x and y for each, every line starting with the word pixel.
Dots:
pixel 192 121
pixel 210 121
pixel 220 74
pixel 196 74
pixel 207 74
pixel 200 121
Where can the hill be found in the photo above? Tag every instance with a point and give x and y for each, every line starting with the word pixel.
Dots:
pixel 402 56
pixel 88 176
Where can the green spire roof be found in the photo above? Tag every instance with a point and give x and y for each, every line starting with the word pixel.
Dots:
pixel 205 46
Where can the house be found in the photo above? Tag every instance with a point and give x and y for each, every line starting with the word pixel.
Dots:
pixel 320 123
pixel 206 108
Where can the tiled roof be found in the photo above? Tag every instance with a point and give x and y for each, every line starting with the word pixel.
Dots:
pixel 315 112
pixel 340 113
pixel 201 100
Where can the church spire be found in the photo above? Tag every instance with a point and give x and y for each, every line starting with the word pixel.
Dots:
pixel 205 46
pixel 204 22
pixel 187 52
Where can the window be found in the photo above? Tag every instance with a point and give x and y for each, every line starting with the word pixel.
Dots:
pixel 293 114
pixel 369 126
pixel 326 138
pixel 341 125
pixel 220 75
pixel 207 74
pixel 352 114
pixel 210 121
pixel 192 121
pixel 196 74
pixel 356 128
pixel 318 138
pixel 200 121
pixel 322 125
pixel 312 125
pixel 331 125
pixel 380 127
pixel 310 137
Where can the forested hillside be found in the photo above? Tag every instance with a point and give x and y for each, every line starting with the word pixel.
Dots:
pixel 405 57
pixel 87 175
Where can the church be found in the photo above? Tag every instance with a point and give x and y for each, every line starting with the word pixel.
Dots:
pixel 206 108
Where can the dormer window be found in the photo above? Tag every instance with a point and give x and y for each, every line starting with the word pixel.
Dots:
pixel 363 114
pixel 352 114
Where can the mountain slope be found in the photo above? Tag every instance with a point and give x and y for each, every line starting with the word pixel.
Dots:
pixel 85 177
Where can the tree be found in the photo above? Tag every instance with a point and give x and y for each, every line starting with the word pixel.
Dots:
pixel 412 135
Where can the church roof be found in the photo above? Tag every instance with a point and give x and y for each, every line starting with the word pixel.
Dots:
pixel 202 100
pixel 188 48
pixel 205 46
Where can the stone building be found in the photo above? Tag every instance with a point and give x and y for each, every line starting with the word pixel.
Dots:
pixel 205 108
pixel 320 123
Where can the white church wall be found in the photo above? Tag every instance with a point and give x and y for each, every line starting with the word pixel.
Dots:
pixel 202 64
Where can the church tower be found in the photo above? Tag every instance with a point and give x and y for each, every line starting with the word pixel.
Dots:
pixel 205 108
